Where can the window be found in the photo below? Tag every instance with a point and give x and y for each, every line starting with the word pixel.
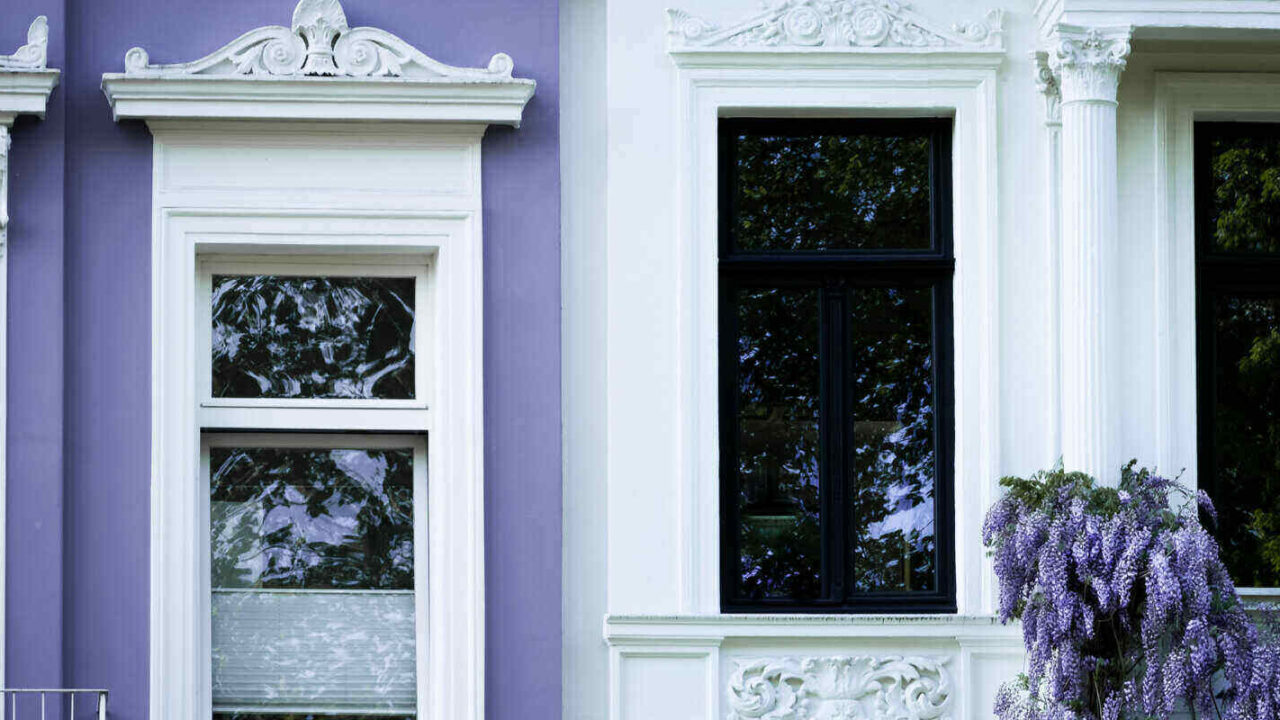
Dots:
pixel 1237 182
pixel 835 276
pixel 316 540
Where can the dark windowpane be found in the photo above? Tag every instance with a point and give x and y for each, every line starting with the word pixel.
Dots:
pixel 1246 436
pixel 831 192
pixel 892 486
pixel 1245 190
pixel 313 337
pixel 312 519
pixel 778 386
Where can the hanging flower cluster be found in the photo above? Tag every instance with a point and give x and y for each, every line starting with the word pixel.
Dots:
pixel 1127 611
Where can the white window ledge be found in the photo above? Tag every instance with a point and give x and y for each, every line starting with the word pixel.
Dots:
pixel 25 82
pixel 318 69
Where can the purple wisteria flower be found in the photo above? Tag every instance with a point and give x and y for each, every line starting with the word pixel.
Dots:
pixel 1127 610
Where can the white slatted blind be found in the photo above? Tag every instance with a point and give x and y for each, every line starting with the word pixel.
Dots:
pixel 308 651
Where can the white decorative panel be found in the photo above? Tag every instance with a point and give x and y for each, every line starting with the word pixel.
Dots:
pixel 302 650
pixel 282 162
pixel 840 688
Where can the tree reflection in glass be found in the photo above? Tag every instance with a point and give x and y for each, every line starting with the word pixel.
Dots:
pixel 892 489
pixel 312 337
pixel 303 518
pixel 832 192
pixel 1246 418
pixel 1245 192
pixel 778 379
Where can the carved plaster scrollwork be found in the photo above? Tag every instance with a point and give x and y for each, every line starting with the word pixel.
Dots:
pixel 35 53
pixel 1088 62
pixel 840 688
pixel 319 43
pixel 850 24
pixel 1050 88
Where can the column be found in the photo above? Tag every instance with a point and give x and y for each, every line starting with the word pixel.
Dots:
pixel 1088 63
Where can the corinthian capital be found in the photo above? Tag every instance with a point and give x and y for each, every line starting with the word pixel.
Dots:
pixel 1088 61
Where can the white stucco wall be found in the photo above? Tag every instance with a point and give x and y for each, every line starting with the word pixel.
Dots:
pixel 669 655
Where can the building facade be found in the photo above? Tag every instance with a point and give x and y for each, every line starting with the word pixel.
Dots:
pixel 590 359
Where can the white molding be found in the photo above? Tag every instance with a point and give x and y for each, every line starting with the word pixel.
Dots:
pixel 1181 99
pixel 858 85
pixel 35 54
pixel 1184 19
pixel 255 218
pixel 25 85
pixel 319 68
pixel 648 629
pixel 910 687
pixel 25 81
pixel 858 25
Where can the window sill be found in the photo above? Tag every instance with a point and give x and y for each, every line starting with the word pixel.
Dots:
pixel 715 628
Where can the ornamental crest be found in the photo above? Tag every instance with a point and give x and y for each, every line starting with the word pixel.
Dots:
pixel 319 43
pixel 840 688
pixel 834 24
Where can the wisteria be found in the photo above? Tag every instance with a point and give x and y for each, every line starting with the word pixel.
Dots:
pixel 1127 611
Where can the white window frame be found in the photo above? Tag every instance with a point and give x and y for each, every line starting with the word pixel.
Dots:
pixel 1181 100
pixel 421 491
pixel 850 85
pixel 452 685
pixel 317 414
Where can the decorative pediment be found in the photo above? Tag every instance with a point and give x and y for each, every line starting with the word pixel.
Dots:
pixel 375 74
pixel 834 24
pixel 35 53
pixel 825 688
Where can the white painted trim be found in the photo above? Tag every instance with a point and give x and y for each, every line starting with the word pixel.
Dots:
pixel 454 673
pixel 1180 100
pixel 1152 19
pixel 25 85
pixel 853 87
pixel 318 69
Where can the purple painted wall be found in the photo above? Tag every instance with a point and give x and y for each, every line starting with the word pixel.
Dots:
pixel 34 531
pixel 87 625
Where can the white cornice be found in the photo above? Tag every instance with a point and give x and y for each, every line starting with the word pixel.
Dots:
pixel 885 26
pixel 1189 19
pixel 25 82
pixel 318 69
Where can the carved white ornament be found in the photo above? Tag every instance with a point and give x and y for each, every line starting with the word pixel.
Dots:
pixel 835 24
pixel 840 688
pixel 1050 88
pixel 35 53
pixel 320 43
pixel 1088 62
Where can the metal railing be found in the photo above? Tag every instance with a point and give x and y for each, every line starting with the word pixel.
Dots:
pixel 36 703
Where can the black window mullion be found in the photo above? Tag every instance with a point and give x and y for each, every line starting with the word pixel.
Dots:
pixel 833 474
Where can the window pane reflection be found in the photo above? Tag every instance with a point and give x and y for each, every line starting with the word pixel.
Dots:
pixel 832 192
pixel 1246 417
pixel 1245 190
pixel 778 382
pixel 312 337
pixel 313 605
pixel 892 489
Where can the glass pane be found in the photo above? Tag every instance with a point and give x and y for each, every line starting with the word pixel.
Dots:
pixel 894 474
pixel 1245 192
pixel 302 518
pixel 831 192
pixel 1246 437
pixel 780 545
pixel 312 571
pixel 313 337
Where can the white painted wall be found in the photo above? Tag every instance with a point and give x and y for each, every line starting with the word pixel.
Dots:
pixel 668 654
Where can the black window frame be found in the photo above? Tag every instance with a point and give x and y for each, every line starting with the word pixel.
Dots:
pixel 1218 274
pixel 834 272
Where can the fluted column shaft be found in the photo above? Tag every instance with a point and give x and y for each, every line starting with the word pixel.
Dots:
pixel 1088 63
